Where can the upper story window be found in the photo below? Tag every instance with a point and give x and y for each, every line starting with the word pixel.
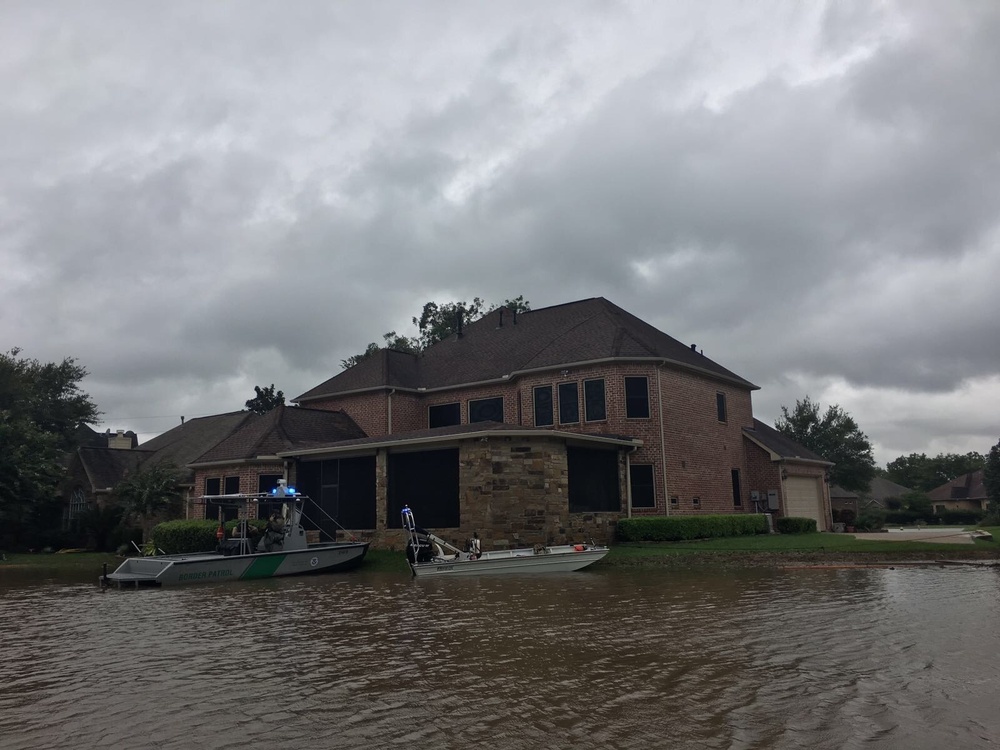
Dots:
pixel 720 406
pixel 637 397
pixel 444 415
pixel 543 406
pixel 486 410
pixel 593 400
pixel 569 403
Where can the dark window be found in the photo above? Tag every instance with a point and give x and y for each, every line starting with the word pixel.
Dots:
pixel 444 415
pixel 427 481
pixel 569 403
pixel 643 492
pixel 737 495
pixel 593 400
pixel 543 405
pixel 213 511
pixel 486 410
pixel 696 502
pixel 674 501
pixel 342 489
pixel 636 398
pixel 720 406
pixel 232 486
pixel 593 481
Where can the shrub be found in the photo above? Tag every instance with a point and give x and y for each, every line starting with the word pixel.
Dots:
pixel 793 525
pixel 961 517
pixel 196 535
pixel 679 528
pixel 871 520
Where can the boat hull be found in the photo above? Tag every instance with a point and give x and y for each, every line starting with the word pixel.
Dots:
pixel 173 570
pixel 563 559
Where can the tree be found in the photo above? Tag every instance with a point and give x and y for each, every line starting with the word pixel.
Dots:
pixel 41 407
pixel 991 478
pixel 836 437
pixel 148 495
pixel 919 472
pixel 392 341
pixel 265 400
pixel 436 322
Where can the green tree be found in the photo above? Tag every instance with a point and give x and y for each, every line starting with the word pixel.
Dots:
pixel 41 406
pixel 265 400
pixel 991 478
pixel 920 472
pixel 436 322
pixel 836 437
pixel 149 495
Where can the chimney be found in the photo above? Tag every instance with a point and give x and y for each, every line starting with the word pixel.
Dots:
pixel 500 324
pixel 119 440
pixel 694 347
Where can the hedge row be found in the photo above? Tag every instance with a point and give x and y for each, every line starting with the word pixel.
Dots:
pixel 793 525
pixel 679 528
pixel 948 517
pixel 195 536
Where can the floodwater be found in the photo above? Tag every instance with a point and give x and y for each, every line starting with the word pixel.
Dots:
pixel 604 658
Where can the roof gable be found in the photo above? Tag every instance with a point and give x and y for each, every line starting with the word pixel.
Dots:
pixel 779 445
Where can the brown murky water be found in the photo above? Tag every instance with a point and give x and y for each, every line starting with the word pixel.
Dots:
pixel 875 658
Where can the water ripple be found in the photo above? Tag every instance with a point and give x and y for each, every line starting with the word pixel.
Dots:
pixel 615 659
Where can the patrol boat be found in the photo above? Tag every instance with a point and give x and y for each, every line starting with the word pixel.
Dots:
pixel 430 555
pixel 282 550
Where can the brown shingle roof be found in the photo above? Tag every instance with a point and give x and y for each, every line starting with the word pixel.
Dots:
pixel 780 444
pixel 106 467
pixel 966 487
pixel 547 338
pixel 184 443
pixel 283 428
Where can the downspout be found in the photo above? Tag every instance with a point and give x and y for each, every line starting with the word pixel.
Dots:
pixel 628 478
pixel 388 415
pixel 663 447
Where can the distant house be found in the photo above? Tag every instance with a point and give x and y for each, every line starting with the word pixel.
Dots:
pixel 874 498
pixel 967 492
pixel 532 427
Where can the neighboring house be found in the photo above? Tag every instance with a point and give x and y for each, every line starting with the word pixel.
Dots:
pixel 967 492
pixel 104 460
pixel 874 498
pixel 538 427
pixel 786 477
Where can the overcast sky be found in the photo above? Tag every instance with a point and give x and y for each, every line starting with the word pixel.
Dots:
pixel 199 197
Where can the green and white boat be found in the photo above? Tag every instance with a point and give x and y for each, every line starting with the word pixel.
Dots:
pixel 282 550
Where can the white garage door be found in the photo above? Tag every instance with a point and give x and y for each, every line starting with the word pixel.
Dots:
pixel 803 500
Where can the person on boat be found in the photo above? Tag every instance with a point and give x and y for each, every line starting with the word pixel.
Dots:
pixel 273 534
pixel 475 546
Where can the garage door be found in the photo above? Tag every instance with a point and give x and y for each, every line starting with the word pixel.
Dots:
pixel 803 500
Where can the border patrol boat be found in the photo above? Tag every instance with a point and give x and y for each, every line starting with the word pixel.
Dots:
pixel 282 550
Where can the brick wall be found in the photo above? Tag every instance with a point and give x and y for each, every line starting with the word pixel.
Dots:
pixel 248 474
pixel 699 450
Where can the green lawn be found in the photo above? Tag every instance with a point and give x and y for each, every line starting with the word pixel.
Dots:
pixel 795 544
pixel 745 547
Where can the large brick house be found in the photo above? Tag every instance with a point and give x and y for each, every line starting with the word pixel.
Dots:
pixel 552 424
pixel 537 427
